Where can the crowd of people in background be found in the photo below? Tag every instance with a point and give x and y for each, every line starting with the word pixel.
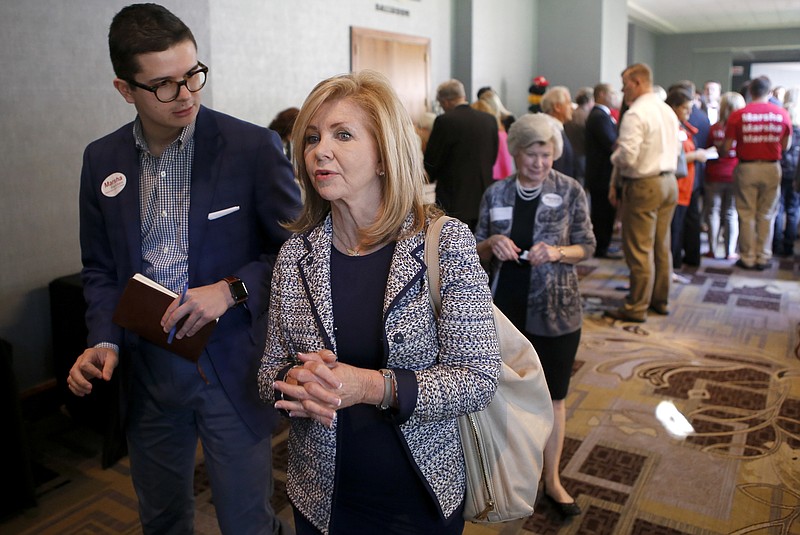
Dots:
pixel 708 193
pixel 707 199
pixel 735 171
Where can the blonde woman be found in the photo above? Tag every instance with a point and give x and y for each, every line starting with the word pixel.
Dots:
pixel 504 165
pixel 373 384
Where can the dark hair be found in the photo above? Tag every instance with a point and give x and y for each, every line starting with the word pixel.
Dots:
pixel 141 29
pixel 678 96
pixel 483 90
pixel 584 96
pixel 686 84
pixel 284 121
pixel 599 89
pixel 759 86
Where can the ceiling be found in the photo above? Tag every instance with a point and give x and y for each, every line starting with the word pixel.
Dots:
pixel 697 16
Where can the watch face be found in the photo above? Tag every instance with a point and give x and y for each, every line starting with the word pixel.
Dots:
pixel 238 291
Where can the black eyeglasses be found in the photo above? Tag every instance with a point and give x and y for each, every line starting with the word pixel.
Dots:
pixel 168 90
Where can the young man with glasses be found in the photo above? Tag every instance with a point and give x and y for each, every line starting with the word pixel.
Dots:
pixel 192 199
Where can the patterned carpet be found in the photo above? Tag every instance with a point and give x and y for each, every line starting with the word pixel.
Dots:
pixel 727 358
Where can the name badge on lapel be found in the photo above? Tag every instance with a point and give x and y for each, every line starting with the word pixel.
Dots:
pixel 502 213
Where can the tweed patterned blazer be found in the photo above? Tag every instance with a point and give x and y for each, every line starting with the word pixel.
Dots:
pixel 451 366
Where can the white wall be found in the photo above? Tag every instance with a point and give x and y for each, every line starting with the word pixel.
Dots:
pixel 581 42
pixel 613 54
pixel 786 74
pixel 641 46
pixel 267 55
pixel 503 50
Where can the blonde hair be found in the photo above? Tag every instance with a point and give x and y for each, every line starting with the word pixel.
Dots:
pixel 398 150
pixel 494 100
pixel 487 107
pixel 728 103
pixel 791 101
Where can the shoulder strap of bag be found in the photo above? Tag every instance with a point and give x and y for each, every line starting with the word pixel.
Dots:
pixel 432 261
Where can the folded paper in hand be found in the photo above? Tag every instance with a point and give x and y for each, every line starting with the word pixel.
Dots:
pixel 140 309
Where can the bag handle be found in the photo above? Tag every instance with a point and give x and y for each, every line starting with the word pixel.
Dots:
pixel 432 262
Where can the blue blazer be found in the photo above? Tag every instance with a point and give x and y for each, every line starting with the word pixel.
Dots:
pixel 601 134
pixel 236 164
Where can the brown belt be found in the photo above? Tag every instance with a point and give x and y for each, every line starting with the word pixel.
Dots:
pixel 662 173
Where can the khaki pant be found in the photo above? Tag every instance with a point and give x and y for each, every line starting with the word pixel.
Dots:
pixel 757 186
pixel 647 208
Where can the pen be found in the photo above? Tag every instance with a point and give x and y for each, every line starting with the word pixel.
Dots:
pixel 175 327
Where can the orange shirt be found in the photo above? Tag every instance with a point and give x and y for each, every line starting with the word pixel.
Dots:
pixel 686 183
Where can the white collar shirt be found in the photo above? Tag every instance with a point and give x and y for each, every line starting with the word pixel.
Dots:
pixel 648 142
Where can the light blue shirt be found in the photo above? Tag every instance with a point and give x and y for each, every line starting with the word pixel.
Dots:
pixel 164 196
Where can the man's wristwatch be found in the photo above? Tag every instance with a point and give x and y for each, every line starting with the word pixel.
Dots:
pixel 238 290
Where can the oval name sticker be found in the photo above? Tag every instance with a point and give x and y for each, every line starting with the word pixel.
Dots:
pixel 113 184
pixel 553 200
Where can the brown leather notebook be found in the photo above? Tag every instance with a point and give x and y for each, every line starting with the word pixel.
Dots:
pixel 140 309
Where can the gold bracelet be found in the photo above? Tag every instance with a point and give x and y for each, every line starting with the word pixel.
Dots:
pixel 562 253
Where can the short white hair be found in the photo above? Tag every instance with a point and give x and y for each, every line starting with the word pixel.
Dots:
pixel 535 128
pixel 558 94
pixel 450 90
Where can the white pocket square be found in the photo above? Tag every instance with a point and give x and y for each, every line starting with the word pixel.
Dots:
pixel 222 213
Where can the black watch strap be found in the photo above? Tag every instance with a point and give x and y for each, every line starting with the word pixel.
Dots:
pixel 238 290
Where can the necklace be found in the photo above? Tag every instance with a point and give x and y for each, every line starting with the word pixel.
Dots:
pixel 355 251
pixel 528 194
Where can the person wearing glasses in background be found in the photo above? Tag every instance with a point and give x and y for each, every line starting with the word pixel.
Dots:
pixel 190 198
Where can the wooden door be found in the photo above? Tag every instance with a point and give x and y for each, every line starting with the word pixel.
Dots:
pixel 403 59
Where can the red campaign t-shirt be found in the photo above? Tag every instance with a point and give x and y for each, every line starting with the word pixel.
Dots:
pixel 721 169
pixel 758 129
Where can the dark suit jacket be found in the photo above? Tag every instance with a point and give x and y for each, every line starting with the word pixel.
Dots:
pixel 699 119
pixel 460 155
pixel 601 134
pixel 566 162
pixel 235 164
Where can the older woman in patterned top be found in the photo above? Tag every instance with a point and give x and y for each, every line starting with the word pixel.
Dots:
pixel 372 382
pixel 534 227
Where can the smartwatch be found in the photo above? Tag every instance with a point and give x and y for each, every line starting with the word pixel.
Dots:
pixel 238 290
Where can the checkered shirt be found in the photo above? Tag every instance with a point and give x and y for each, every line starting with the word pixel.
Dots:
pixel 164 195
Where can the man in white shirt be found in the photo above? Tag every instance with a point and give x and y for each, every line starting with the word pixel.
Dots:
pixel 646 157
pixel 712 91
